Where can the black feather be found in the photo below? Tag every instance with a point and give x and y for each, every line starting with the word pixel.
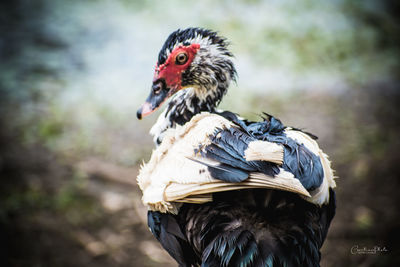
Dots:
pixel 165 228
pixel 228 147
pixel 225 172
pixel 230 232
pixel 305 165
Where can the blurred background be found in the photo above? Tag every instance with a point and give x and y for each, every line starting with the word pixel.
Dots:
pixel 73 73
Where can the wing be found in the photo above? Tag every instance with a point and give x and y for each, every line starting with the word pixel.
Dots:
pixel 302 155
pixel 234 149
pixel 212 154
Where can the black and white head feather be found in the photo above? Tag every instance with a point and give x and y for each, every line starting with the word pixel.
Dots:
pixel 204 82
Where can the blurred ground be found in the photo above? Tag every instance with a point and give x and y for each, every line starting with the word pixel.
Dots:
pixel 73 74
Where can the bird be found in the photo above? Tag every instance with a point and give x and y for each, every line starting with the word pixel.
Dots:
pixel 222 190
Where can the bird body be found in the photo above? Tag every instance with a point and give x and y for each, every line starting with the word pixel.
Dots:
pixel 221 190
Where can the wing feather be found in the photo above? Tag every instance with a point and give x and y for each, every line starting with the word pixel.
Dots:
pixel 211 154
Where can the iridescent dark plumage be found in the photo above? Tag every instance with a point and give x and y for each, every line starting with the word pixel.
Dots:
pixel 251 227
pixel 246 228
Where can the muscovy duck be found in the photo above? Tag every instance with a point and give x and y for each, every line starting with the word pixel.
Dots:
pixel 222 190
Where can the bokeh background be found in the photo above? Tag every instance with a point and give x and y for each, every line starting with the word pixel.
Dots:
pixel 73 73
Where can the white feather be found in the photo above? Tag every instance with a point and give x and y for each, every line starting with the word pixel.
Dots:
pixel 169 162
pixel 263 150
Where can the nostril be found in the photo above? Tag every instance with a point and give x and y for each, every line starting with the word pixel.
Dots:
pixel 158 85
pixel 157 88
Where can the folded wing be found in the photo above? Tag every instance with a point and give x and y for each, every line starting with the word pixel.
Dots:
pixel 213 154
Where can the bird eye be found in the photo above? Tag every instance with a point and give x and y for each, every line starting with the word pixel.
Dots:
pixel 181 59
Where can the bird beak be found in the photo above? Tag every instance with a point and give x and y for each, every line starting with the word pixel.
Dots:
pixel 159 93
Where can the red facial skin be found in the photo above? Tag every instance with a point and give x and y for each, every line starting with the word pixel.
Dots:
pixel 170 71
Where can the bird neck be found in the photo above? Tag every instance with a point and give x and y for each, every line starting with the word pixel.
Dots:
pixel 186 104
